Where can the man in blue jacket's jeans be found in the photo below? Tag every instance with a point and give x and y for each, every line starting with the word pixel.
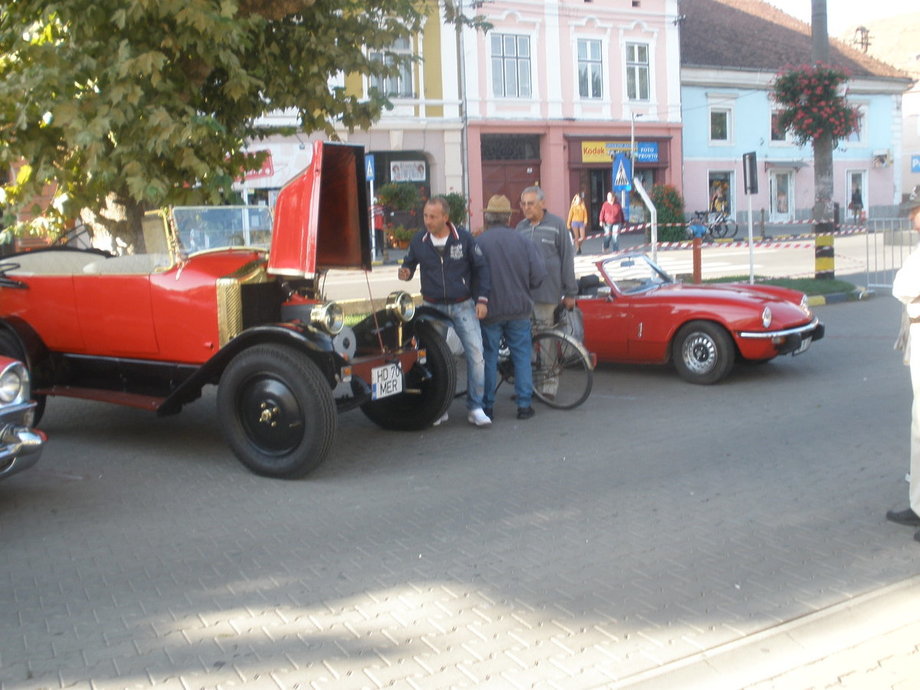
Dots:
pixel 455 281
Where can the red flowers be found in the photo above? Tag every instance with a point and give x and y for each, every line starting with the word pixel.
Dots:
pixel 812 104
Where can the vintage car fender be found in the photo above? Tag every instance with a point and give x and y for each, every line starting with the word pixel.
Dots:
pixel 315 345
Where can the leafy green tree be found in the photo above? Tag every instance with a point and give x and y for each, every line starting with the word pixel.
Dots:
pixel 670 206
pixel 150 102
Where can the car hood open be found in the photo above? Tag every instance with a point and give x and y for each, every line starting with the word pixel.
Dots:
pixel 321 217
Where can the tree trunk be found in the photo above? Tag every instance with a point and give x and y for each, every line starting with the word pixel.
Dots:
pixel 119 227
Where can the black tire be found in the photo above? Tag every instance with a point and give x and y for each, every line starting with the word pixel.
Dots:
pixel 562 375
pixel 424 399
pixel 11 347
pixel 276 410
pixel 703 352
pixel 731 229
pixel 719 229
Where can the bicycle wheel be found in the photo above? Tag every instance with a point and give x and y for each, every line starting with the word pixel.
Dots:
pixel 731 229
pixel 562 375
pixel 719 229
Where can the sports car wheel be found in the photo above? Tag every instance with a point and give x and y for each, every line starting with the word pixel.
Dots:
pixel 424 399
pixel 276 410
pixel 703 352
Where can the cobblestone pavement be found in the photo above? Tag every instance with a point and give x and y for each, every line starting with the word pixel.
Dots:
pixel 662 529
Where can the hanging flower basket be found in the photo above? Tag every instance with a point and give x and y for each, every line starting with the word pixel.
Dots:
pixel 812 105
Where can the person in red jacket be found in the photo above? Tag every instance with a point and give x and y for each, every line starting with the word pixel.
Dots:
pixel 611 219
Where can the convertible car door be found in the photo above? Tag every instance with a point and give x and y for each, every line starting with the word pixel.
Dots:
pixel 115 314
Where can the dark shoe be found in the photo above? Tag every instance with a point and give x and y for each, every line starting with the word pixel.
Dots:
pixel 578 253
pixel 525 412
pixel 917 535
pixel 489 414
pixel 904 517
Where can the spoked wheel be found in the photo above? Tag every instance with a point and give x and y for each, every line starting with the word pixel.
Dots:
pixel 731 229
pixel 720 229
pixel 276 410
pixel 562 372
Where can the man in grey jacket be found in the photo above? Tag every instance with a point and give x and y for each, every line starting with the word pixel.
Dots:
pixel 516 268
pixel 549 233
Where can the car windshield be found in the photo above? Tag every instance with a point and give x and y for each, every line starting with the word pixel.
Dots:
pixel 636 273
pixel 210 227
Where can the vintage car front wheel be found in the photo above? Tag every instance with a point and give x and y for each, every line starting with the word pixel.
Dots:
pixel 276 411
pixel 423 400
pixel 703 352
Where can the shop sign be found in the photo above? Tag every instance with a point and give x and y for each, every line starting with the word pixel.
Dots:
pixel 604 151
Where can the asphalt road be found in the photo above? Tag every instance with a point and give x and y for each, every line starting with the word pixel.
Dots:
pixel 588 548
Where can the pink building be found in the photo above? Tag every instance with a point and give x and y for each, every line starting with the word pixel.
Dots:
pixel 558 87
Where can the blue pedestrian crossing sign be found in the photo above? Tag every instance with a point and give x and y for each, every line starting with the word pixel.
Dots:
pixel 622 173
pixel 915 163
pixel 369 167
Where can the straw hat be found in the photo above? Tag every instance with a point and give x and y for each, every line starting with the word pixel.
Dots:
pixel 499 204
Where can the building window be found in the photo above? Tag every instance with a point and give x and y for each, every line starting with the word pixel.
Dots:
pixel 859 136
pixel 510 147
pixel 510 66
pixel 720 129
pixel 637 71
pixel 590 69
pixel 721 191
pixel 399 85
pixel 777 133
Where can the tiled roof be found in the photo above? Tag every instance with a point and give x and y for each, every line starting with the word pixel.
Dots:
pixel 749 34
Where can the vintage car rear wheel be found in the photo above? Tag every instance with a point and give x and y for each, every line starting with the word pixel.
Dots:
pixel 276 410
pixel 11 347
pixel 423 400
pixel 703 352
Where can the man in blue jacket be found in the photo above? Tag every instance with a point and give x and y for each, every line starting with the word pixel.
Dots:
pixel 516 267
pixel 455 281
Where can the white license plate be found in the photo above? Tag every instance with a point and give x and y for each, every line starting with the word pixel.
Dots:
pixel 385 381
pixel 806 343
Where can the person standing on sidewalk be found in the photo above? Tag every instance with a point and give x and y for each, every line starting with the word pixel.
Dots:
pixel 516 267
pixel 611 219
pixel 577 220
pixel 906 288
pixel 455 281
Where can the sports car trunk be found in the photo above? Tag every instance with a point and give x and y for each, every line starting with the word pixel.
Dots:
pixel 321 216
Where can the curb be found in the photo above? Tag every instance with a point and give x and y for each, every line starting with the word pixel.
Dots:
pixel 790 645
pixel 857 295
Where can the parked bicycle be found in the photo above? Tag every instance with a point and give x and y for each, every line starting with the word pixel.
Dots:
pixel 563 370
pixel 711 225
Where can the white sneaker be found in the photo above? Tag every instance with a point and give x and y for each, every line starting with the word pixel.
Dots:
pixel 478 417
pixel 440 420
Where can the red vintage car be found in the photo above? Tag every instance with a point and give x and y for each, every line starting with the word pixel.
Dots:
pixel 232 296
pixel 634 312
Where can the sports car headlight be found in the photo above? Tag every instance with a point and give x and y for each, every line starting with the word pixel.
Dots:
pixel 14 384
pixel 401 304
pixel 804 305
pixel 766 317
pixel 328 316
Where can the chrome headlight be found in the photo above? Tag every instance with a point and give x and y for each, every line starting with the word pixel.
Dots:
pixel 329 317
pixel 766 317
pixel 14 384
pixel 803 305
pixel 401 304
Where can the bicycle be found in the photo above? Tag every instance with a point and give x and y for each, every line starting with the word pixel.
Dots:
pixel 714 224
pixel 563 370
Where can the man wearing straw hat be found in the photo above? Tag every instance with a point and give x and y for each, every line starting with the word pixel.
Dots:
pixel 906 288
pixel 516 267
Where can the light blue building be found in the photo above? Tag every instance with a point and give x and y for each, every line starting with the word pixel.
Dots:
pixel 731 51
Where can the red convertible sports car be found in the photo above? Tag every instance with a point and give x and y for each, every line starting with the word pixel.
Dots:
pixel 634 312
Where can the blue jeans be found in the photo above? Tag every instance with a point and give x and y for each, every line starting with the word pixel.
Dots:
pixel 466 325
pixel 518 339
